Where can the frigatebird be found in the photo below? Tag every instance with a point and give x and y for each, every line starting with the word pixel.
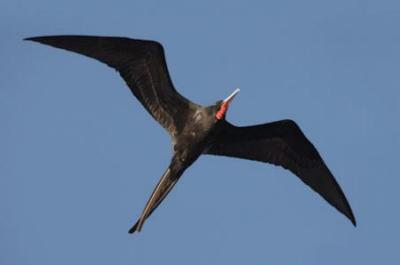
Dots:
pixel 197 129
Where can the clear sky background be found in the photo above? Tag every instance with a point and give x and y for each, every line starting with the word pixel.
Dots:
pixel 79 156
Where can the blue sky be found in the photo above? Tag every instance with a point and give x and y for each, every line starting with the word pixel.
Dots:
pixel 79 156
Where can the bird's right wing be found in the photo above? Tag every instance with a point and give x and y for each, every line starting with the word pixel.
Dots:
pixel 283 143
pixel 141 64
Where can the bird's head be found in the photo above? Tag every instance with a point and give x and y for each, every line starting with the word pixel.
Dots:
pixel 222 106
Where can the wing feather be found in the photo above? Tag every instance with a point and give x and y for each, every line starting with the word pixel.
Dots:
pixel 142 65
pixel 283 143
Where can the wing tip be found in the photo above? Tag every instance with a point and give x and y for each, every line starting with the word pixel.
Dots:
pixel 347 211
pixel 352 218
pixel 30 38
pixel 39 39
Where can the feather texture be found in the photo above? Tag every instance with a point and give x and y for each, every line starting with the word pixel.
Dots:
pixel 282 143
pixel 141 64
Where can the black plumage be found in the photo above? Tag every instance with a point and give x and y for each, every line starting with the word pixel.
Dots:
pixel 197 129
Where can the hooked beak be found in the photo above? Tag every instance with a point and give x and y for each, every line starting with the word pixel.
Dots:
pixel 225 104
pixel 231 96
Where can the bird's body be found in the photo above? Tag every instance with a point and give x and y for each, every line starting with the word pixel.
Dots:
pixel 196 129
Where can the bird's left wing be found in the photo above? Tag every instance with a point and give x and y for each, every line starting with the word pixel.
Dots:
pixel 283 143
pixel 142 65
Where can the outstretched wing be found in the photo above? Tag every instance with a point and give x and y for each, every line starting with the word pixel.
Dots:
pixel 141 64
pixel 283 143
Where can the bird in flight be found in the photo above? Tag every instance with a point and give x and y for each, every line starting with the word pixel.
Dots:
pixel 197 129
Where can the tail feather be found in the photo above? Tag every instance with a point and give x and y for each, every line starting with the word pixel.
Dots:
pixel 164 186
pixel 134 228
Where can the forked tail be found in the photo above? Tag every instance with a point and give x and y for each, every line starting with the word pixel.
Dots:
pixel 164 186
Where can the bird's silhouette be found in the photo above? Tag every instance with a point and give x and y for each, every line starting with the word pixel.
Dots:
pixel 197 129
